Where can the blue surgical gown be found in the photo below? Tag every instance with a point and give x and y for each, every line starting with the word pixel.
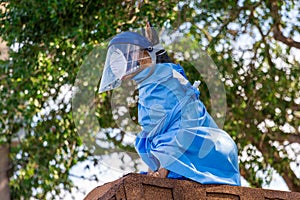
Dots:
pixel 178 134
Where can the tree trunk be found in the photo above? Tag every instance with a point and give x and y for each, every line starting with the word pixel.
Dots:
pixel 4 166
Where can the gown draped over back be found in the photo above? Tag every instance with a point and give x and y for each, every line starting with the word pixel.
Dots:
pixel 178 134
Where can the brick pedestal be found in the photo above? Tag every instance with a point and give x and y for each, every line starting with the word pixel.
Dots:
pixel 142 187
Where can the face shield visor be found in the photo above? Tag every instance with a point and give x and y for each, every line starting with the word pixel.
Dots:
pixel 121 61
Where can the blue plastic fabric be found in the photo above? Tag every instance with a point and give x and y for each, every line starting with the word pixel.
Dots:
pixel 178 133
pixel 130 38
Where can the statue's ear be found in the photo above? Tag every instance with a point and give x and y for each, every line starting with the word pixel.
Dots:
pixel 150 33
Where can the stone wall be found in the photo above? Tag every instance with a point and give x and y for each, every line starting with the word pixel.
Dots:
pixel 137 187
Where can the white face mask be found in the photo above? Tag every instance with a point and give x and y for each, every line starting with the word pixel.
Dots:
pixel 122 60
pixel 117 60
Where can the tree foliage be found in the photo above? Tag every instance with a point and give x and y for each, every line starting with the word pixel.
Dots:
pixel 50 40
pixel 253 43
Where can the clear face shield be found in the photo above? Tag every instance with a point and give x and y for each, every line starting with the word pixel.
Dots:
pixel 122 60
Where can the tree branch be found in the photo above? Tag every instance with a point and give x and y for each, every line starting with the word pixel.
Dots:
pixel 292 138
pixel 4 166
pixel 278 35
pixel 284 170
